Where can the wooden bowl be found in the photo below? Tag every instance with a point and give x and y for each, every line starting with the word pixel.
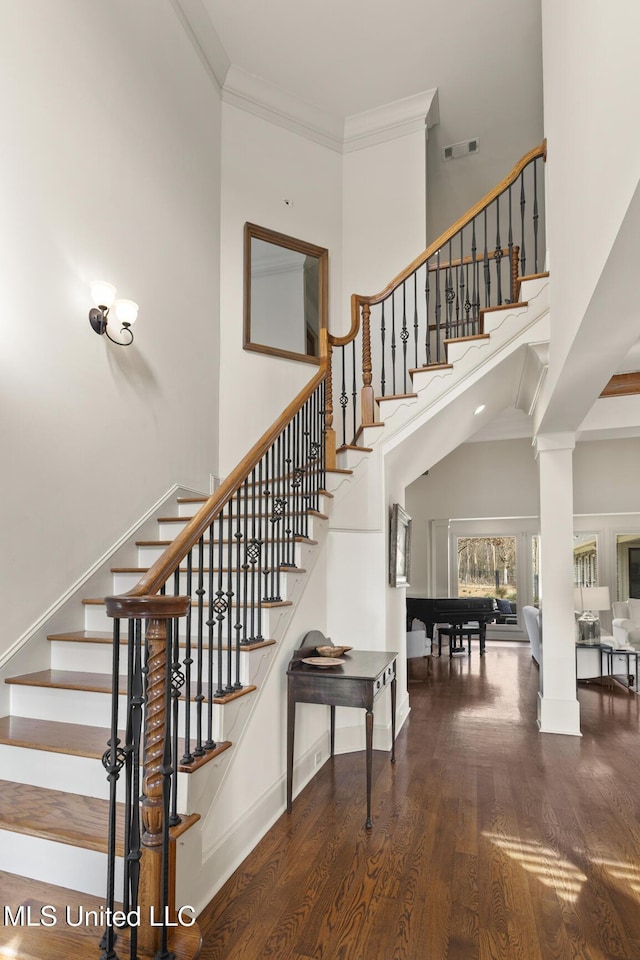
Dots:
pixel 331 651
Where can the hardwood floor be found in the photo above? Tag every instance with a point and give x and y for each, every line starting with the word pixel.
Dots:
pixel 490 840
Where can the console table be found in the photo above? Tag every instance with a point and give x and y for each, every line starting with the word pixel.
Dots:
pixel 358 682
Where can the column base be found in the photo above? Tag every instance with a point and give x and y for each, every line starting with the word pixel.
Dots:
pixel 559 716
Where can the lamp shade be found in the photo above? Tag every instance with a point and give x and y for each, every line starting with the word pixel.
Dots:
pixel 126 311
pixel 595 598
pixel 102 293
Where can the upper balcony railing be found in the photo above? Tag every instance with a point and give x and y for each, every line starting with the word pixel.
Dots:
pixel 474 265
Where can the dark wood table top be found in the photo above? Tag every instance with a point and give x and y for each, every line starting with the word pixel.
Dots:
pixel 358 664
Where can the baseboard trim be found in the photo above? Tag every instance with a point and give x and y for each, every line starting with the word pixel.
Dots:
pixel 223 857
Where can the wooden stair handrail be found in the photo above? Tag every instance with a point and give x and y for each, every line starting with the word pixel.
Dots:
pixel 161 570
pixel 357 300
pixel 463 221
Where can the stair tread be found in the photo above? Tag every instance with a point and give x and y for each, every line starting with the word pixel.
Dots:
pixel 266 604
pixel 106 637
pixel 63 941
pixel 77 740
pixel 259 516
pixel 165 543
pixel 54 736
pixel 430 367
pixel 283 569
pixel 396 396
pixel 53 815
pixel 59 942
pixel 99 683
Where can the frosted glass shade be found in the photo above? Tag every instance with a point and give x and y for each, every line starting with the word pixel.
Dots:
pixel 126 311
pixel 102 293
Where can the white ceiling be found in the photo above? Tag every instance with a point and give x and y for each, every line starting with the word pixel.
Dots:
pixel 344 57
pixel 348 56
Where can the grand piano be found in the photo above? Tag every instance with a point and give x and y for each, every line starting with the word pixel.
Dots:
pixel 455 612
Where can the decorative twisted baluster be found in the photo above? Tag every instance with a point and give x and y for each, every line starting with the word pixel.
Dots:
pixel 367 414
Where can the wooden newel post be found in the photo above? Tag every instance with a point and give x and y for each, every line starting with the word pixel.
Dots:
pixel 367 411
pixel 155 610
pixel 330 434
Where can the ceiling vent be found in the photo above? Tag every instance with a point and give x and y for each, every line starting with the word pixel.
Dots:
pixel 456 150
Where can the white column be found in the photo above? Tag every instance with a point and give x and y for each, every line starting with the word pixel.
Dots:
pixel 558 707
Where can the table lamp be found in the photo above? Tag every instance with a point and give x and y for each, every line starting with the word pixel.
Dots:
pixel 590 600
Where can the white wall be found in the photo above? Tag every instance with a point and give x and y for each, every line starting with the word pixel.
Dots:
pixel 590 82
pixel 109 170
pixel 262 166
pixel 511 127
pixel 500 479
pixel 384 204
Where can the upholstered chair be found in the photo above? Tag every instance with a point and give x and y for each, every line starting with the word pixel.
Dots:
pixel 532 623
pixel 626 622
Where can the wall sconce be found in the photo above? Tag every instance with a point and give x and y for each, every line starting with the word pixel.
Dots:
pixel 120 319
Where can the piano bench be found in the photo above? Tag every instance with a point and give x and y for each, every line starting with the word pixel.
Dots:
pixel 457 636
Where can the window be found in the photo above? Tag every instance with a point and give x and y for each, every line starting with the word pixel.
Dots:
pixel 487 568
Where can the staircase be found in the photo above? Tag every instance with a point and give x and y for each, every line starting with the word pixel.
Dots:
pixel 229 649
pixel 54 796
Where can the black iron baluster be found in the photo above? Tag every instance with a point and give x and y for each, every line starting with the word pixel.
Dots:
pixel 354 390
pixel 450 294
pixel 487 273
pixel 243 539
pixel 498 252
pixel 523 203
pixel 272 532
pixel 404 336
pixel 241 595
pixel 382 333
pixel 113 759
pixel 427 337
pixel 217 606
pixel 461 305
pixel 257 546
pixel 288 557
pixel 438 309
pixel 344 400
pixel 199 697
pixel 415 316
pixel 230 595
pixel 177 683
pixel 393 343
pixel 467 302
pixel 267 491
pixel 535 215
pixel 512 293
pixel 187 756
pixel 475 300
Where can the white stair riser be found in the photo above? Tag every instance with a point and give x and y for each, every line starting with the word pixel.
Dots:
pixel 94 709
pixel 57 863
pixel 170 530
pixel 123 582
pixel 149 553
pixel 95 618
pixel 56 771
pixel 262 504
pixel 97 658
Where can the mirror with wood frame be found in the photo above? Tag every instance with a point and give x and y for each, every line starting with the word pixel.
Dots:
pixel 285 294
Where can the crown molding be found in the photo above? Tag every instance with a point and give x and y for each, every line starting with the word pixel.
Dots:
pixel 264 99
pixel 391 121
pixel 197 24
pixel 388 122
